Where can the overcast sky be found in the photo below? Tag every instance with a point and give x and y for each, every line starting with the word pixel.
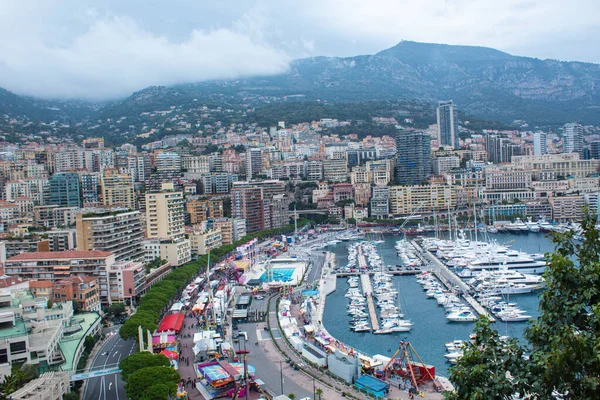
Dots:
pixel 102 49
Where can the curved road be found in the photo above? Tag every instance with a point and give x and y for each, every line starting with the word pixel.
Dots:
pixel 109 387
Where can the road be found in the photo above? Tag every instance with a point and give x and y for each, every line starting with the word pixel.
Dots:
pixel 109 387
pixel 265 357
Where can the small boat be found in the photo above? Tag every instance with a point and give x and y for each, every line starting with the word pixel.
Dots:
pixel 382 331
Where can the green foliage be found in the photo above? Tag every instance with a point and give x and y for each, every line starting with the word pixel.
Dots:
pixel 351 221
pixel 116 309
pixel 481 373
pixel 71 396
pixel 565 339
pixel 137 361
pixel 19 376
pixel 157 392
pixel 140 384
pixel 89 343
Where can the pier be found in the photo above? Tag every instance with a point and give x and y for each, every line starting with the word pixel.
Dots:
pixel 365 281
pixel 451 281
pixel 327 284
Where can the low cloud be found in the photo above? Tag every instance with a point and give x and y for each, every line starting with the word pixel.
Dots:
pixel 114 56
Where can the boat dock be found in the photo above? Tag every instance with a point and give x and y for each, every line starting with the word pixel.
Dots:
pixel 387 271
pixel 327 284
pixel 365 281
pixel 451 281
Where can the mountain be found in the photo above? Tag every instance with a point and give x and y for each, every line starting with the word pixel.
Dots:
pixel 484 82
pixel 44 110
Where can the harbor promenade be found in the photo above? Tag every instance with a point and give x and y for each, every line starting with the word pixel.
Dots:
pixel 451 281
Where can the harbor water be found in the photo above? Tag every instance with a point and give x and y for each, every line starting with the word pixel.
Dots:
pixel 431 328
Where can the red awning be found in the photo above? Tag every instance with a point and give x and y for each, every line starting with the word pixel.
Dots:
pixel 172 322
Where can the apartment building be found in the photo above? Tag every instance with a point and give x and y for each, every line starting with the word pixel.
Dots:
pixel 202 209
pixel 125 281
pixel 117 189
pixel 550 167
pixel 405 200
pixel 247 204
pixel 116 230
pixel 567 208
pixel 55 266
pixel 165 220
pixel 203 240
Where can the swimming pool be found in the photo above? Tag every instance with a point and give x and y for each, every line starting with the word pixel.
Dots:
pixel 278 275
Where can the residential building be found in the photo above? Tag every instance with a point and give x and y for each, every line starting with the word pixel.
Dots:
pixel 55 266
pixel 314 170
pixel 406 200
pixel 203 209
pixel 247 204
pixel 65 189
pixel 239 228
pixel 557 166
pixel 203 240
pixel 573 138
pixel 116 230
pixel 117 189
pixel 413 163
pixel 90 189
pixel 442 165
pixel 83 291
pixel 567 208
pixel 343 191
pixel 225 225
pixel 254 163
pixel 595 150
pixel 126 281
pixel 62 239
pixel 447 128
pixel 380 202
pixel 165 220
pixel 540 145
pixel 168 164
pixel 335 169
pixel 362 194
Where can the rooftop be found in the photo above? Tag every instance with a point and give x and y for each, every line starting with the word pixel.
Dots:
pixel 13 331
pixel 60 255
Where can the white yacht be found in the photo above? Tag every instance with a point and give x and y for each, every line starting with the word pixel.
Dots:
pixel 532 226
pixel 521 263
pixel 463 316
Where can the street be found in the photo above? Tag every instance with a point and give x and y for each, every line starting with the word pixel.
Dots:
pixel 109 387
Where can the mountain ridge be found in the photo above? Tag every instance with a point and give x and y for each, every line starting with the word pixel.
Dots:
pixel 484 82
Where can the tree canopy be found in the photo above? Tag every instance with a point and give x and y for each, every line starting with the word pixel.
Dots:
pixel 137 361
pixel 143 383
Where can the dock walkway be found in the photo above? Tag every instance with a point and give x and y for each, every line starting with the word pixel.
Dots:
pixel 365 281
pixel 452 282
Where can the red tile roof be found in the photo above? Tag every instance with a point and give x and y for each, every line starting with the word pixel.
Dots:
pixel 60 255
pixel 40 284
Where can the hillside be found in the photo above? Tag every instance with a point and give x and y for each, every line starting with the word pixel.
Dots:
pixel 483 82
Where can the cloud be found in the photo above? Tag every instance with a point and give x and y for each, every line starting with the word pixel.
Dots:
pixel 106 49
pixel 113 56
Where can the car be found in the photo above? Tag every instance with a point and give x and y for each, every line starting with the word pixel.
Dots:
pixel 259 297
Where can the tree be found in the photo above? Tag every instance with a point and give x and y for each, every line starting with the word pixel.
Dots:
pixel 116 309
pixel 565 338
pixel 351 221
pixel 140 383
pixel 137 361
pixel 292 396
pixel 157 392
pixel 481 373
pixel 319 392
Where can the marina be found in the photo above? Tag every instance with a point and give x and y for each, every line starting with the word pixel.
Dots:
pixel 430 327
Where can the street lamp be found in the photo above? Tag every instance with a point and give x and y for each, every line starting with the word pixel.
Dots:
pixel 281 374
pixel 245 352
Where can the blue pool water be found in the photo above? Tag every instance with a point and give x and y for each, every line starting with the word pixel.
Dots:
pixel 278 274
pixel 431 329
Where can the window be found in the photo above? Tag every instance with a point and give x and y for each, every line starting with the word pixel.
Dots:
pixel 18 347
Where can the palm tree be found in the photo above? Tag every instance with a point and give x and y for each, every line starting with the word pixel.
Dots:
pixel 319 392
pixel 292 396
